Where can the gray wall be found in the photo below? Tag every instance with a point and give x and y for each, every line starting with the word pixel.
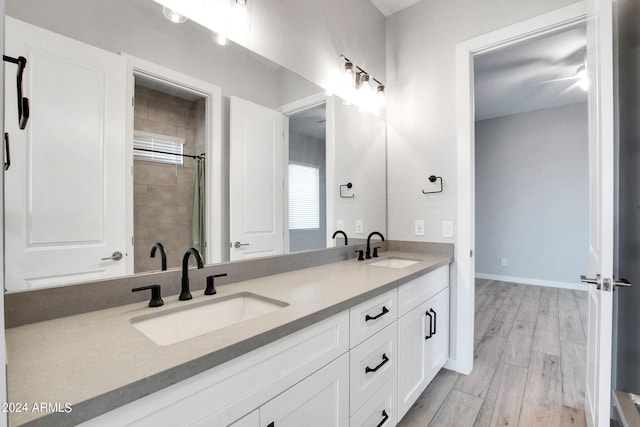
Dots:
pixel 531 194
pixel 626 337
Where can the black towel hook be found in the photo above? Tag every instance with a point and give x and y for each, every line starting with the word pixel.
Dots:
pixel 23 103
pixel 433 178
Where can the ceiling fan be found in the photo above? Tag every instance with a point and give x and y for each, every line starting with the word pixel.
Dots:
pixel 581 80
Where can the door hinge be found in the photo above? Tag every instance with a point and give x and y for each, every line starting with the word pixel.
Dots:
pixel 471 253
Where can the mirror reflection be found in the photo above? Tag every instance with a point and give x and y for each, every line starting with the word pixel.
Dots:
pixel 259 159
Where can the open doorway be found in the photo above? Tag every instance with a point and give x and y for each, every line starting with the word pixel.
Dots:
pixel 169 152
pixel 307 179
pixel 531 160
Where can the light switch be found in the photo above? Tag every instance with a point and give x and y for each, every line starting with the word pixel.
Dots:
pixel 359 226
pixel 419 227
pixel 447 228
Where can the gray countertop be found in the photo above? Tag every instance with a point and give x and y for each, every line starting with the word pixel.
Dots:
pixel 97 361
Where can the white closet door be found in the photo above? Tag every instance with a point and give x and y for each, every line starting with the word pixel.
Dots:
pixel 65 189
pixel 256 180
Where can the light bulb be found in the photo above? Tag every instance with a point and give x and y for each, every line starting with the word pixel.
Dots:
pixel 583 78
pixel 173 16
pixel 220 39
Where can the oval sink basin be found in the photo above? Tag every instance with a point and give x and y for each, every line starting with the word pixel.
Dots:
pixel 182 323
pixel 394 262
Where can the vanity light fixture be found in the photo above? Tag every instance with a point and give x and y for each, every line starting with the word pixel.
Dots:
pixel 173 16
pixel 359 88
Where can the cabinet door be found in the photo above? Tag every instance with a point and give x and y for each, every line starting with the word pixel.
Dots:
pixel 412 347
pixel 321 400
pixel 438 344
pixel 250 420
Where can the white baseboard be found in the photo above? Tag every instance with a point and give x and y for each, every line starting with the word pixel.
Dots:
pixel 456 366
pixel 535 282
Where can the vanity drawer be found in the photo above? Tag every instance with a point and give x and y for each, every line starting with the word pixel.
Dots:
pixel 372 316
pixel 417 291
pixel 372 364
pixel 381 410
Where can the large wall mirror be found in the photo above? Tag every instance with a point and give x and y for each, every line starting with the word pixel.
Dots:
pixel 150 131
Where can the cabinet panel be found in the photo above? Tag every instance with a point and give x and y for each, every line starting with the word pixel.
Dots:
pixel 372 364
pixel 418 290
pixel 321 400
pixel 438 345
pixel 412 347
pixel 372 316
pixel 381 410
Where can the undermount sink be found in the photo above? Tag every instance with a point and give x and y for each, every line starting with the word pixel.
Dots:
pixel 182 323
pixel 394 262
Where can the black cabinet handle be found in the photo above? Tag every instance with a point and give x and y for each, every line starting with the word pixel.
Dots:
pixel 271 424
pixel 385 359
pixel 385 310
pixel 7 156
pixel 385 417
pixel 430 324
pixel 435 318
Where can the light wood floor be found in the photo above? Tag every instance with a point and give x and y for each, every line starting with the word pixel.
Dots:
pixel 529 364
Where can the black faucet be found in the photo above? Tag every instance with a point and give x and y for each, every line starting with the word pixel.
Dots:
pixel 185 294
pixel 346 240
pixel 163 254
pixel 373 233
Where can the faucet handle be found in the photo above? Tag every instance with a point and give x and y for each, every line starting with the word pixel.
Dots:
pixel 156 299
pixel 375 252
pixel 360 254
pixel 211 289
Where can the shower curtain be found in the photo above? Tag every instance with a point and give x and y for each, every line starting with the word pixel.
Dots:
pixel 199 207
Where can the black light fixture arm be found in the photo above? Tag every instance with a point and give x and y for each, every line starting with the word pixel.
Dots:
pixel 433 178
pixel 23 103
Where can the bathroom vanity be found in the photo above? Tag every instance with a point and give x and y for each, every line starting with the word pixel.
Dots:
pixel 343 343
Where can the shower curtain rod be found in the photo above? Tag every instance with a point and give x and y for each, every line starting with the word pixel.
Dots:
pixel 199 156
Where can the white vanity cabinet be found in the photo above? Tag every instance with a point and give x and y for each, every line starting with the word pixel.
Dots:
pixel 423 334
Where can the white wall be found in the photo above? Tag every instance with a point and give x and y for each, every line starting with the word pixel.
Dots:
pixel 421 43
pixel 532 195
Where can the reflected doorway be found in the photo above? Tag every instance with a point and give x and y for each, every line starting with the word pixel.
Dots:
pixel 307 173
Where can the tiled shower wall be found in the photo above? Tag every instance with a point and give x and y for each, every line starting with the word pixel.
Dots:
pixel 163 194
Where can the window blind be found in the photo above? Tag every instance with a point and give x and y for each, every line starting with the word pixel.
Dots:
pixel 304 197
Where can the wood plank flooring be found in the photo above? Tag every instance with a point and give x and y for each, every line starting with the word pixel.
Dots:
pixel 529 366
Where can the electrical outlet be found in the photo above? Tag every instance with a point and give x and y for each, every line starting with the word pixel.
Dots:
pixel 340 224
pixel 419 227
pixel 359 226
pixel 503 262
pixel 447 228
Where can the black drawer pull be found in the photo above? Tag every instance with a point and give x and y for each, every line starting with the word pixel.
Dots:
pixel 385 310
pixel 385 359
pixel 430 324
pixel 435 318
pixel 271 424
pixel 385 417
pixel 7 156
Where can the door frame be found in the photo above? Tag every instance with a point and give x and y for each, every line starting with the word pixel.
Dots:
pixel 213 135
pixel 465 117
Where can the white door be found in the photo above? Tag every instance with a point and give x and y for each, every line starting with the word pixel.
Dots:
pixel 65 189
pixel 601 219
pixel 256 180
